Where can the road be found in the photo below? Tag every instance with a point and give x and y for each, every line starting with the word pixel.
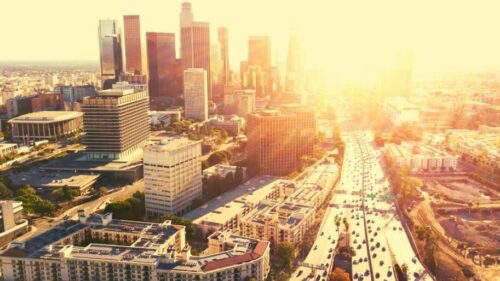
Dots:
pixel 375 230
pixel 44 223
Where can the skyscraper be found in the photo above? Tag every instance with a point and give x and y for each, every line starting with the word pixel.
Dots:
pixel 110 52
pixel 224 53
pixel 295 66
pixel 396 81
pixel 163 81
pixel 259 51
pixel 195 94
pixel 195 43
pixel 259 60
pixel 133 51
pixel 115 123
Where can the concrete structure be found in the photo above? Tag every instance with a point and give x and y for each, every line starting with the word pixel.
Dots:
pixel 401 111
pixel 75 93
pixel 12 223
pixel 133 251
pixel 172 175
pixel 132 43
pixel 233 125
pixel 222 170
pixel 47 102
pixel 306 127
pixel 165 117
pixel 225 212
pixel 115 123
pixel 272 143
pixel 195 44
pixel 7 148
pixel 419 157
pixel 164 82
pixel 195 94
pixel 45 125
pixel 223 38
pixel 244 102
pixel 48 180
pixel 281 221
pixel 110 52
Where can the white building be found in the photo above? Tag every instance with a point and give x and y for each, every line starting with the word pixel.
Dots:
pixel 401 111
pixel 172 175
pixel 195 94
pixel 421 157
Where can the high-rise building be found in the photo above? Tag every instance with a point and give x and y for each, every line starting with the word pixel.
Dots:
pixel 255 78
pixel 272 142
pixel 223 38
pixel 172 175
pixel 110 51
pixel 164 83
pixel 195 43
pixel 216 68
pixel 75 93
pixel 295 66
pixel 306 127
pixel 259 62
pixel 133 50
pixel 244 102
pixel 195 94
pixel 115 123
pixel 396 80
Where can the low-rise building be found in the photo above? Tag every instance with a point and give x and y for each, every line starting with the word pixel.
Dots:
pixel 45 125
pixel 421 157
pixel 7 148
pixel 97 247
pixel 401 111
pixel 12 223
pixel 222 170
pixel 233 124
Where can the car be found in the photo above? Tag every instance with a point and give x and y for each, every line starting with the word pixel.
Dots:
pixel 299 273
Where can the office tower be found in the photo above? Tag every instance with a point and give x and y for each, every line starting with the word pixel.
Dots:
pixel 164 84
pixel 115 123
pixel 259 59
pixel 75 93
pixel 295 66
pixel 12 224
pixel 222 36
pixel 195 94
pixel 244 102
pixel 195 43
pixel 272 143
pixel 111 53
pixel 172 175
pixel 396 80
pixel 133 50
pixel 243 70
pixel 306 127
pixel 255 78
pixel 216 68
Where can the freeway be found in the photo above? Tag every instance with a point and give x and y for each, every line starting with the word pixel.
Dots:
pixel 362 197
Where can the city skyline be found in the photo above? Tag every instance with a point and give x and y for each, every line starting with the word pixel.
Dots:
pixel 439 45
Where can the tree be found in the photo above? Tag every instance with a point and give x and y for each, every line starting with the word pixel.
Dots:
pixel 339 275
pixel 34 204
pixel 404 269
pixel 238 176
pixel 131 209
pixel 103 191
pixel 5 193
pixel 285 254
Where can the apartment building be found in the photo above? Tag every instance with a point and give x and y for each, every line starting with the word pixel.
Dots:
pixel 97 247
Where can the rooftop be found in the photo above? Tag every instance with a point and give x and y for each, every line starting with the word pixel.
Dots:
pixel 46 117
pixel 170 144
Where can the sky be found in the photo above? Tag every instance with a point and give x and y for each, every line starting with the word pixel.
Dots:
pixel 353 38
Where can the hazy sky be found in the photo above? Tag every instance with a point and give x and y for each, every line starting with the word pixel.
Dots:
pixel 353 37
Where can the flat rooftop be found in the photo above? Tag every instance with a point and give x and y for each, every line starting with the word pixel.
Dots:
pixel 250 191
pixel 53 180
pixel 170 144
pixel 46 117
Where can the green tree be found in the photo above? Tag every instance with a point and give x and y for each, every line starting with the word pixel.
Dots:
pixel 131 209
pixel 5 193
pixel 285 254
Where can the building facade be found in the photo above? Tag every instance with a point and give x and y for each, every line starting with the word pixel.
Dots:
pixel 133 48
pixel 272 142
pixel 195 43
pixel 133 251
pixel 195 94
pixel 172 175
pixel 110 52
pixel 12 223
pixel 306 127
pixel 115 123
pixel 45 125
pixel 164 83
